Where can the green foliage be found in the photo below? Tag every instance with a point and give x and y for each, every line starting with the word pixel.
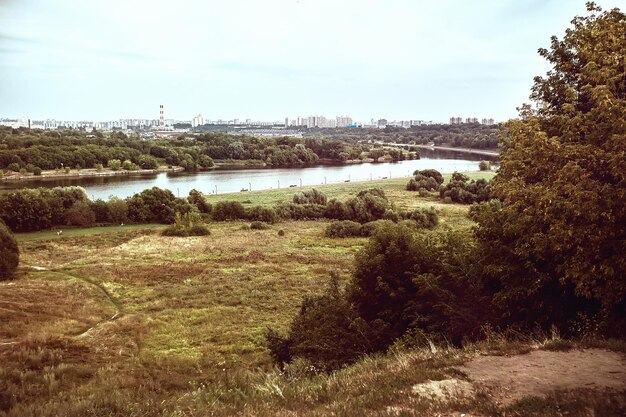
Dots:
pixel 343 228
pixel 484 165
pixel 300 211
pixel 197 199
pixel 310 197
pixel 426 218
pixel 281 232
pixel 80 214
pixel 114 164
pixel 228 210
pixel 327 332
pixel 461 190
pixel 262 214
pixel 28 209
pixel 153 205
pixel 9 253
pixel 118 210
pixel 407 281
pixel 128 165
pixel 147 162
pixel 554 249
pixel 188 224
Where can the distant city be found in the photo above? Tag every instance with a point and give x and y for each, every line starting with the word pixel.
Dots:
pixel 165 125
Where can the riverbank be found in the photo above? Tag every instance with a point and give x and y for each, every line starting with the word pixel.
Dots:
pixel 464 150
pixel 85 173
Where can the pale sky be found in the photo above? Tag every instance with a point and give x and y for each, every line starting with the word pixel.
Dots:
pixel 268 59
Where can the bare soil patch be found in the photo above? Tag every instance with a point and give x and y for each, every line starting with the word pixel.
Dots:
pixel 540 373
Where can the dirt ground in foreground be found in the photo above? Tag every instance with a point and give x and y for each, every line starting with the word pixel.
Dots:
pixel 541 372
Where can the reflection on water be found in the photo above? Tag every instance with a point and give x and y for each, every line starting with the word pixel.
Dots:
pixel 260 179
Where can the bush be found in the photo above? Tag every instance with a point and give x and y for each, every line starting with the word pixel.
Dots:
pixel 188 224
pixel 327 332
pixel 300 211
pixel 228 210
pixel 37 171
pixel 127 165
pixel 197 199
pixel 281 232
pixel 426 218
pixel 459 190
pixel 9 253
pixel 262 214
pixel 310 197
pixel 343 228
pixel 368 229
pixel 114 164
pixel 430 173
pixel 147 162
pixel 336 210
pixel 259 226
pixel 484 165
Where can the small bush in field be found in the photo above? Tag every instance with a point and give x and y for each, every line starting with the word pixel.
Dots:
pixel 343 228
pixel 259 226
pixel 281 232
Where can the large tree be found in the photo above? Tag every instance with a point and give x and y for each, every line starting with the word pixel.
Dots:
pixel 555 247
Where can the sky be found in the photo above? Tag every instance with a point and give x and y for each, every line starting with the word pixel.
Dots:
pixel 270 59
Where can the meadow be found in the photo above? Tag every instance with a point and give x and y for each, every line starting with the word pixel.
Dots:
pixel 123 321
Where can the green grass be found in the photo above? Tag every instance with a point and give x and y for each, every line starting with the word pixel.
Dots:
pixel 341 191
pixel 69 232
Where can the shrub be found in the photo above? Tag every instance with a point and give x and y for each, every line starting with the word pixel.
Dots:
pixel 188 224
pixel 114 164
pixel 430 173
pixel 426 218
pixel 197 199
pixel 281 232
pixel 336 210
pixel 80 214
pixel 127 165
pixel 300 211
pixel 464 192
pixel 310 197
pixel 9 253
pixel 343 228
pixel 147 162
pixel 484 165
pixel 262 214
pixel 228 210
pixel 259 226
pixel 368 229
pixel 37 171
pixel 327 332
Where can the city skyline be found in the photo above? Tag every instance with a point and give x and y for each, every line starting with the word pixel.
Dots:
pixel 406 59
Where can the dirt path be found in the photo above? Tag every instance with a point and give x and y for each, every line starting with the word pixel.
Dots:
pixel 118 308
pixel 541 372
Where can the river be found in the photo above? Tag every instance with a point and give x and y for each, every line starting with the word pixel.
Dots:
pixel 227 181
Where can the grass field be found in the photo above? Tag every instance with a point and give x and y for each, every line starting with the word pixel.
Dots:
pixel 123 321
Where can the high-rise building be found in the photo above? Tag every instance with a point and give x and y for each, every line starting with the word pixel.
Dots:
pixel 161 115
pixel 197 121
